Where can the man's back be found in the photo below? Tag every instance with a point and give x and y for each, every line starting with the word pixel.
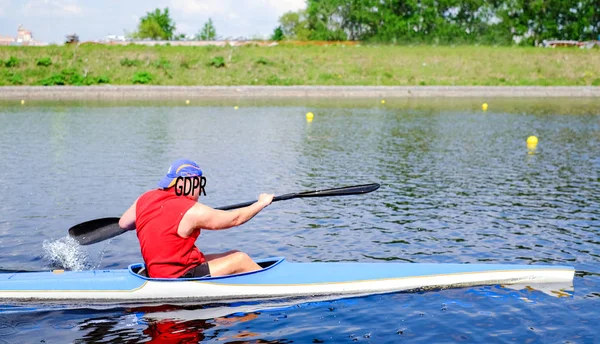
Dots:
pixel 166 254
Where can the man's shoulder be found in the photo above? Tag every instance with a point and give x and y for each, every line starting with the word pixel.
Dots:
pixel 151 195
pixel 153 191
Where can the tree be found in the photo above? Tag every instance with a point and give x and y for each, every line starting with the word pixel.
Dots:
pixel 444 21
pixel 72 39
pixel 180 37
pixel 277 34
pixel 539 20
pixel 156 25
pixel 208 32
pixel 325 20
pixel 295 25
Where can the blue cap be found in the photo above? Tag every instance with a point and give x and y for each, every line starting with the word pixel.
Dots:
pixel 180 168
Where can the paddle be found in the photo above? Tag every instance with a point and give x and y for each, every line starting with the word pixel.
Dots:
pixel 98 230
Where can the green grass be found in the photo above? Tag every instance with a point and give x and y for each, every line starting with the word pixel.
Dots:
pixel 299 65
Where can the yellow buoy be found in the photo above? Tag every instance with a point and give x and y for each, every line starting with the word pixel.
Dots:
pixel 383 101
pixel 310 116
pixel 484 106
pixel 532 140
pixel 22 101
pixel 187 101
pixel 235 108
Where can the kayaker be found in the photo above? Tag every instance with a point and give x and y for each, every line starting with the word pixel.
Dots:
pixel 168 221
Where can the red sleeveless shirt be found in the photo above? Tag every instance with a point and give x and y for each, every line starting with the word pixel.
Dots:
pixel 166 254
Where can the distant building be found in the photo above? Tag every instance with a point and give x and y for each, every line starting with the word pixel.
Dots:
pixel 566 43
pixel 24 37
pixel 6 40
pixel 115 38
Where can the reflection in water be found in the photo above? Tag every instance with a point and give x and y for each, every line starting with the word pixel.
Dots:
pixel 58 132
pixel 166 331
pixel 139 324
pixel 559 290
pixel 524 292
pixel 176 331
pixel 225 322
pixel 531 148
pixel 264 322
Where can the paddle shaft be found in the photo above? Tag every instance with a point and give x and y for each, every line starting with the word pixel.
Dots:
pixel 245 204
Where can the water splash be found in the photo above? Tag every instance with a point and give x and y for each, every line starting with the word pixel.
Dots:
pixel 101 256
pixel 65 254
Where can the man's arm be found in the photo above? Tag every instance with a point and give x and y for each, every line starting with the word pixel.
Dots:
pixel 203 217
pixel 127 220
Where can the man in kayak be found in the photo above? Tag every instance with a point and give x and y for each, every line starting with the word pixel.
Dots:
pixel 169 220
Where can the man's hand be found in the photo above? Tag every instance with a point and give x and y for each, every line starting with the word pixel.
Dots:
pixel 265 199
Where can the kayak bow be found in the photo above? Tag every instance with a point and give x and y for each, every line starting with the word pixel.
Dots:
pixel 277 279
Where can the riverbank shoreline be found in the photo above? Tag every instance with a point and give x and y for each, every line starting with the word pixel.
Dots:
pixel 67 93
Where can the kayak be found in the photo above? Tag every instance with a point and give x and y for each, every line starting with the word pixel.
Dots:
pixel 278 278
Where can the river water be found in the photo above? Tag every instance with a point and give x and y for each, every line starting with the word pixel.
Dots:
pixel 459 185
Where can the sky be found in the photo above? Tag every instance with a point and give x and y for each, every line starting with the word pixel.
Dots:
pixel 51 20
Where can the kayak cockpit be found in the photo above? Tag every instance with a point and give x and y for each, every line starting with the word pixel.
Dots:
pixel 139 270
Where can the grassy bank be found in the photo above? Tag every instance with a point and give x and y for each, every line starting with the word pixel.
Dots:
pixel 298 65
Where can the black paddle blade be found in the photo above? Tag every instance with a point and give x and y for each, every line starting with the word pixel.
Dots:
pixel 343 191
pixel 94 231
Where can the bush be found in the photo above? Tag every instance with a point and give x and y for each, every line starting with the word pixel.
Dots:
pixel 15 79
pixel 72 77
pixel 217 62
pixel 55 79
pixel 262 61
pixel 12 62
pixel 142 78
pixel 102 79
pixel 325 76
pixel 130 63
pixel 44 62
pixel 277 34
pixel 185 63
pixel 273 80
pixel 162 63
